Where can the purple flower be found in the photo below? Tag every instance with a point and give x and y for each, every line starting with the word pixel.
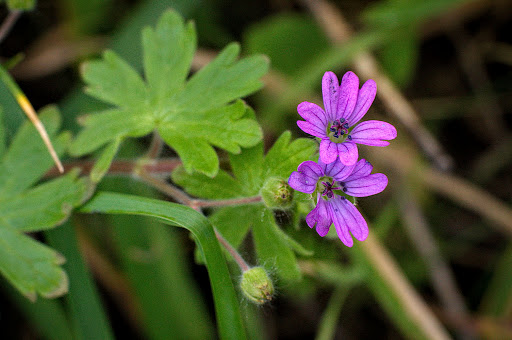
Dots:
pixel 331 184
pixel 345 105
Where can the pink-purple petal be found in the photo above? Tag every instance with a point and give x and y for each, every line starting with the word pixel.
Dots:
pixel 348 153
pixel 311 169
pixel 313 114
pixel 349 89
pixel 346 217
pixel 373 132
pixel 336 211
pixel 365 99
pixel 366 186
pixel 330 93
pixel 311 129
pixel 320 218
pixel 306 176
pixel 300 183
pixel 336 169
pixel 362 168
pixel 328 151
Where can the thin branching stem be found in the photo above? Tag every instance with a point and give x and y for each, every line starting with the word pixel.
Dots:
pixel 155 147
pixel 166 188
pixel 197 205
pixel 232 251
pixel 162 166
pixel 227 202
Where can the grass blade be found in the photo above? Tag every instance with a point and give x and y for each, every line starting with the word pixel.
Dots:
pixel 226 302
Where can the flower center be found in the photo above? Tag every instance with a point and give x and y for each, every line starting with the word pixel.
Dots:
pixel 326 187
pixel 339 131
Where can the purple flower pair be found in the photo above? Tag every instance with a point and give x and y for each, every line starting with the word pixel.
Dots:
pixel 338 175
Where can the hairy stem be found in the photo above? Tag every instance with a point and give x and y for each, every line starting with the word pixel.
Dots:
pixel 232 251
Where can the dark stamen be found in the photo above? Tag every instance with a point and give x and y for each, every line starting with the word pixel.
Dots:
pixel 328 189
pixel 339 127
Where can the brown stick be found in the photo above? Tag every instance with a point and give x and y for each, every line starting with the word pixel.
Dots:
pixel 441 276
pixel 411 301
pixel 8 23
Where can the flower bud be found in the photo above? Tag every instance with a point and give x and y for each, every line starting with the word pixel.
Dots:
pixel 256 285
pixel 276 193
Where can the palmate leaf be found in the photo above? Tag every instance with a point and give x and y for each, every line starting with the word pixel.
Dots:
pixel 250 170
pixel 191 116
pixel 30 266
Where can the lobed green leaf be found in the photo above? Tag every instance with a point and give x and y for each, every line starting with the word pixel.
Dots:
pixel 192 116
pixel 190 135
pixel 195 154
pixel 107 126
pixel 248 168
pixel 168 53
pixel 112 80
pixel 284 157
pixel 44 206
pixel 223 80
pixel 30 266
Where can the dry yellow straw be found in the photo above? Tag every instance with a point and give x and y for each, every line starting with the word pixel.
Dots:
pixel 31 114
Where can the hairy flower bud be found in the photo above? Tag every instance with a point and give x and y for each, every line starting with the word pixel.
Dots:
pixel 257 286
pixel 276 193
